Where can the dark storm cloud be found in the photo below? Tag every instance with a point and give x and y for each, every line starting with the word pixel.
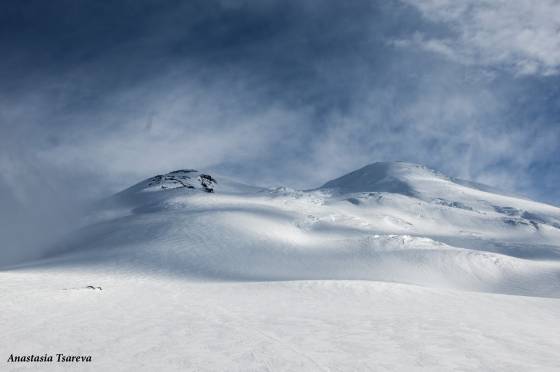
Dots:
pixel 97 95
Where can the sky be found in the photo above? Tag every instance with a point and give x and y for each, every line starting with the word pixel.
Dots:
pixel 96 96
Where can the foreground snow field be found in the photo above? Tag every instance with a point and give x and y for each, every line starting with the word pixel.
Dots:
pixel 391 267
pixel 147 324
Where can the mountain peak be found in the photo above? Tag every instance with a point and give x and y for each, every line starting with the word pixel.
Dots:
pixel 396 177
pixel 181 178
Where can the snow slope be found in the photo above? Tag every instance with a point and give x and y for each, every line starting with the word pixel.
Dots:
pixel 169 324
pixel 367 272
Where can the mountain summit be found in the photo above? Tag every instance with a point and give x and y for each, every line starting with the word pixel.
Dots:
pixel 393 177
pixel 406 179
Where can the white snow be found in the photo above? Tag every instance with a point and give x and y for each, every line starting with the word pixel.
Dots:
pixel 392 267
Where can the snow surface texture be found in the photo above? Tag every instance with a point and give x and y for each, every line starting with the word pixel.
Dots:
pixel 391 267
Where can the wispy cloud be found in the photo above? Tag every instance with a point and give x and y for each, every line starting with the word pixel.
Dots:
pixel 520 35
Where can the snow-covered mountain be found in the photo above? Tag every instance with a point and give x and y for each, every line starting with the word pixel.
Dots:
pixel 395 222
pixel 401 232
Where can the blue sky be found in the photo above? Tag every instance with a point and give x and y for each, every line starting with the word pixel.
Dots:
pixel 95 96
